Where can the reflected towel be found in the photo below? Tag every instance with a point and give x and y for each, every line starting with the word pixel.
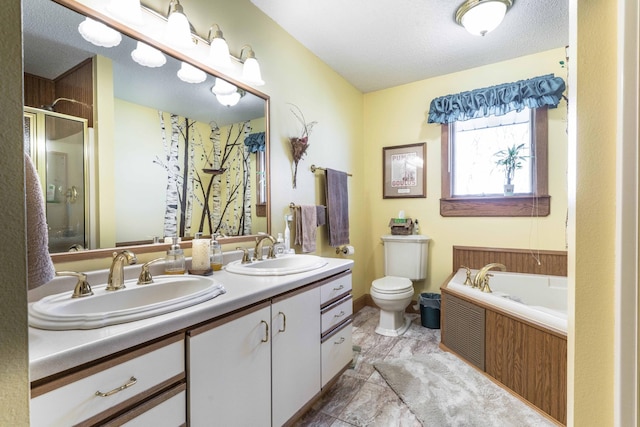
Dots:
pixel 337 207
pixel 306 223
pixel 40 268
pixel 321 215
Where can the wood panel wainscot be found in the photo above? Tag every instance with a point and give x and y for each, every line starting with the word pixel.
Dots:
pixel 551 263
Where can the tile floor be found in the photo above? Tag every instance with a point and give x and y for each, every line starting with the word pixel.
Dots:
pixel 361 397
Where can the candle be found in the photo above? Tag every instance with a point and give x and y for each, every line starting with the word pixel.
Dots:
pixel 200 254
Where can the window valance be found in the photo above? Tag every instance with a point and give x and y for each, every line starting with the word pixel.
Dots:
pixel 497 100
pixel 255 142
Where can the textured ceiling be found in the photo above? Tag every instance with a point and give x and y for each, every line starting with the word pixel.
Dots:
pixel 377 44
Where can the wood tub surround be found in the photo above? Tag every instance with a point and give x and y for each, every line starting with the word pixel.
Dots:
pixel 525 357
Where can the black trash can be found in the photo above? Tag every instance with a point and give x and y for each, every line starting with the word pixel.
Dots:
pixel 430 310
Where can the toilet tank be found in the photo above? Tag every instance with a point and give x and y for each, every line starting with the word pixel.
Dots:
pixel 406 256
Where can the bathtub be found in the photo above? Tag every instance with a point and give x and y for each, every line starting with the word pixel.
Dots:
pixel 517 334
pixel 538 299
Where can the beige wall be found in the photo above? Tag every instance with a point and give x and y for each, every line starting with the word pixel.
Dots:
pixel 14 365
pixel 592 206
pixel 341 140
pixel 398 116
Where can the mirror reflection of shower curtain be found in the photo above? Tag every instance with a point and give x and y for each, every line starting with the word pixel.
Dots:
pixel 60 153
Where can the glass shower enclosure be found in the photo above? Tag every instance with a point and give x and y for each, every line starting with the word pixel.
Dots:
pixel 57 144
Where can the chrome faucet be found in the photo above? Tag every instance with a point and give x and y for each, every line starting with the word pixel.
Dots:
pixel 481 281
pixel 116 272
pixel 257 252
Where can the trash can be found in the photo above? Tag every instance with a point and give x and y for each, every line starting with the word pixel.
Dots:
pixel 430 310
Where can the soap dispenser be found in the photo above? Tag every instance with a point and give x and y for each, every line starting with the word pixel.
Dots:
pixel 174 261
pixel 278 247
pixel 216 255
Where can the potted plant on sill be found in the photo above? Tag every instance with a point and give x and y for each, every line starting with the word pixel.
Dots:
pixel 509 160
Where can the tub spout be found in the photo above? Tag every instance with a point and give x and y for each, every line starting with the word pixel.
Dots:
pixel 479 279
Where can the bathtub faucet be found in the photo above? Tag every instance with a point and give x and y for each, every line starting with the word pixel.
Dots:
pixel 480 282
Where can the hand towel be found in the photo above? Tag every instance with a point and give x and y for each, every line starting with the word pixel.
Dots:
pixel 306 223
pixel 40 268
pixel 337 207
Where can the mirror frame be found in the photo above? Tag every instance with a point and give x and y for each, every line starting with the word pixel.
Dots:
pixel 159 247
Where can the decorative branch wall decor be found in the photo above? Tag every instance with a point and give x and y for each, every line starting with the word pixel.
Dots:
pixel 299 144
pixel 214 176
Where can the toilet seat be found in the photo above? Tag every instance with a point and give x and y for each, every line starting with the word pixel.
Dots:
pixel 391 285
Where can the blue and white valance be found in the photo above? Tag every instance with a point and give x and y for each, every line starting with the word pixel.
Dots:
pixel 255 142
pixel 497 100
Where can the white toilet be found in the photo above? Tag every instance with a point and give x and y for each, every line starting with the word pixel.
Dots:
pixel 405 259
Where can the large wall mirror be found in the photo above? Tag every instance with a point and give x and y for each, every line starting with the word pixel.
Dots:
pixel 162 156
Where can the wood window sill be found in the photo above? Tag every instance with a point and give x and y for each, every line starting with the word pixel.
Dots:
pixel 517 205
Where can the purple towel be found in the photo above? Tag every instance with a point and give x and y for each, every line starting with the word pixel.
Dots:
pixel 337 207
pixel 306 224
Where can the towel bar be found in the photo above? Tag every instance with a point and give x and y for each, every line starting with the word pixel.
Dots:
pixel 315 168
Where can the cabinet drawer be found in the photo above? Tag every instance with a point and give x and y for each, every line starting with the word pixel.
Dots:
pixel 167 409
pixel 336 313
pixel 122 381
pixel 333 290
pixel 337 352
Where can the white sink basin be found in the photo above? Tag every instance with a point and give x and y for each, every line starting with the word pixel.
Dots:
pixel 287 264
pixel 135 302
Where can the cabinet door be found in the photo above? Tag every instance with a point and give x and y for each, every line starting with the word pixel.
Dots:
pixel 230 371
pixel 295 353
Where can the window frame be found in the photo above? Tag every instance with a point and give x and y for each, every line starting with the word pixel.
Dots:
pixel 496 205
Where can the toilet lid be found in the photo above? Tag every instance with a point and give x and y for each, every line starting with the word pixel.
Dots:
pixel 392 285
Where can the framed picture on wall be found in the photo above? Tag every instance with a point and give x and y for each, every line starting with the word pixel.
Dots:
pixel 403 169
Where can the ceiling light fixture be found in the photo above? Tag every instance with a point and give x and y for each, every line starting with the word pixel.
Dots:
pixel 218 48
pixel 251 69
pixel 232 99
pixel 190 74
pixel 178 31
pixel 148 56
pixel 480 17
pixel 99 34
pixel 223 87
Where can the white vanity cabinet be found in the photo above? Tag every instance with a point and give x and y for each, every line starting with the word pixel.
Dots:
pixel 256 367
pixel 295 349
pixel 230 370
pixel 134 385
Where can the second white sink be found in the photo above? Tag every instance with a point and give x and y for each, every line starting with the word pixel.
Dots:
pixel 134 302
pixel 280 266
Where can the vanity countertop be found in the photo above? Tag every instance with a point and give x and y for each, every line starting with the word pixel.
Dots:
pixel 51 352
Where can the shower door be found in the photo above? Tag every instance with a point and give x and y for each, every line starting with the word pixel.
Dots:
pixel 58 146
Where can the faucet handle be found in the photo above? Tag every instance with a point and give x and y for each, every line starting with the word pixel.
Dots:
pixel 145 275
pixel 82 288
pixel 485 283
pixel 467 281
pixel 245 255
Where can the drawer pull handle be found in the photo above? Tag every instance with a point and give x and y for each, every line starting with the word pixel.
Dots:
pixel 339 342
pixel 339 288
pixel 342 313
pixel 131 382
pixel 266 331
pixel 284 322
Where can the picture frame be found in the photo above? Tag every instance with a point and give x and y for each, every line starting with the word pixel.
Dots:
pixel 404 171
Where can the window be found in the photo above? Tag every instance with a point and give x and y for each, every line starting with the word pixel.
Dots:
pixel 472 185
